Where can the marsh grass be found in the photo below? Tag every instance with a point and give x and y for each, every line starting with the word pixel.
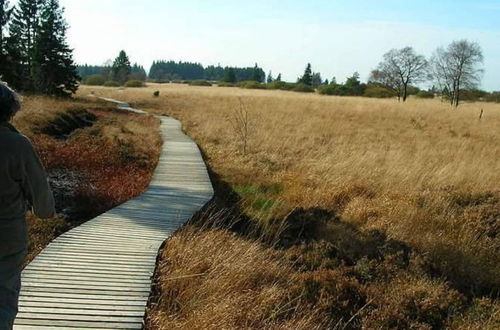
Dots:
pixel 421 173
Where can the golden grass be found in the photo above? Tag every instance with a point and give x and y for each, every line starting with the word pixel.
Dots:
pixel 215 280
pixel 424 173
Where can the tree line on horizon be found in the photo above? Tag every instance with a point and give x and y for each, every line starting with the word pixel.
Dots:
pixel 34 54
pixel 166 71
pixel 455 72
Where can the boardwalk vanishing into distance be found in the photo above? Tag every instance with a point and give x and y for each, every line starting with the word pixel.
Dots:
pixel 98 275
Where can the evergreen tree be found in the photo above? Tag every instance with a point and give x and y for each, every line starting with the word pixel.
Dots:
pixel 137 72
pixel 53 71
pixel 326 82
pixel 307 77
pixel 270 77
pixel 257 74
pixel 6 65
pixel 333 81
pixel 229 75
pixel 5 14
pixel 24 27
pixel 121 67
pixel 278 78
pixel 316 79
pixel 20 43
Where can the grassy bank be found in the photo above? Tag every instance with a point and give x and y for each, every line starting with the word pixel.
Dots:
pixel 391 211
pixel 96 158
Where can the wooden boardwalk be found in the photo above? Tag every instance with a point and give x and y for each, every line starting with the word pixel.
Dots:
pixel 98 275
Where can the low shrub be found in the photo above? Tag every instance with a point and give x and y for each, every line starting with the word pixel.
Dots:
pixel 94 80
pixel 342 90
pixel 493 97
pixel 408 302
pixel 156 93
pixel 225 84
pixel 200 83
pixel 135 83
pixel 303 88
pixel 158 81
pixel 473 95
pixel 328 90
pixel 251 85
pixel 281 85
pixel 378 92
pixel 111 83
pixel 425 95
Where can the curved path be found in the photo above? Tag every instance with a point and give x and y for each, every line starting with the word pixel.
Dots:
pixel 98 275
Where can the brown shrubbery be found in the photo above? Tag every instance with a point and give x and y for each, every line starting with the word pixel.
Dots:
pixel 113 153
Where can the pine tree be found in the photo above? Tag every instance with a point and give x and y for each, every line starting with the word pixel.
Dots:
pixel 137 72
pixel 53 71
pixel 270 77
pixel 19 44
pixel 316 79
pixel 5 15
pixel 257 74
pixel 307 77
pixel 229 75
pixel 6 66
pixel 278 78
pixel 121 67
pixel 24 26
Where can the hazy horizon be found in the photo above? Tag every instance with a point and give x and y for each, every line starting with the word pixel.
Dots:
pixel 336 38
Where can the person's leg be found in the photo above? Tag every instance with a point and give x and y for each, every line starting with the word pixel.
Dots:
pixel 10 286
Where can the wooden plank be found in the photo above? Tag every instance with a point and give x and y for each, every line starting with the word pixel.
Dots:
pixel 84 311
pixel 84 304
pixel 40 268
pixel 51 324
pixel 92 292
pixel 57 278
pixel 112 299
pixel 84 283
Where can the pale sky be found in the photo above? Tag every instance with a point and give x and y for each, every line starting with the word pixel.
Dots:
pixel 336 37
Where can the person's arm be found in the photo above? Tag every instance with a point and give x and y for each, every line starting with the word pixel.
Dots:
pixel 37 186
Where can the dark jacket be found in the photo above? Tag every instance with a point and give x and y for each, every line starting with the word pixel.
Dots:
pixel 23 182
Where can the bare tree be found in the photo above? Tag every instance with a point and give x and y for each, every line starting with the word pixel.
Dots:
pixel 401 68
pixel 242 125
pixel 456 67
pixel 388 80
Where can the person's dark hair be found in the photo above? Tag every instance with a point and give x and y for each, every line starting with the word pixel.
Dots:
pixel 10 102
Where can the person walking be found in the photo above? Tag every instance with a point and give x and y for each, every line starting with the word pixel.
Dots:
pixel 23 186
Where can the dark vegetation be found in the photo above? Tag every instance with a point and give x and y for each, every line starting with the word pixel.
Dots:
pixel 34 54
pixel 119 73
pixel 167 71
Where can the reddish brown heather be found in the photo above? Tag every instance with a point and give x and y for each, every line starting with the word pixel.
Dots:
pixel 115 158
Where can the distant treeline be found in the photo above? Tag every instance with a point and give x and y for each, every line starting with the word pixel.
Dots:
pixel 395 77
pixel 165 71
pixel 171 70
pixel 137 71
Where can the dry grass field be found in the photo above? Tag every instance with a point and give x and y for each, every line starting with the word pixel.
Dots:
pixel 394 207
